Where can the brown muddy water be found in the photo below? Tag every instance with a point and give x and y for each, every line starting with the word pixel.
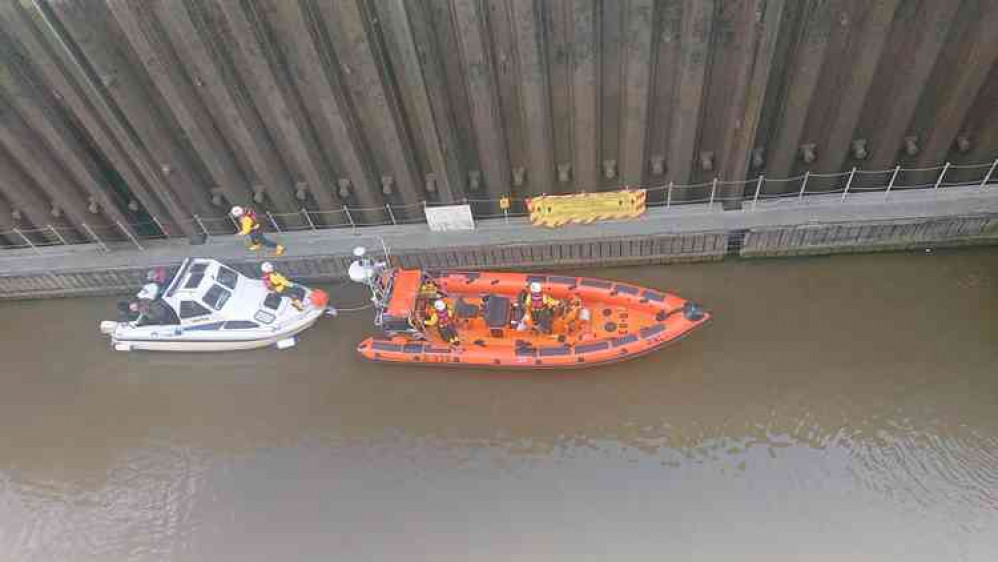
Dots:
pixel 841 408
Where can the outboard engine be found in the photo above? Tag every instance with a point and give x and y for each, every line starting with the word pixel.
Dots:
pixel 692 311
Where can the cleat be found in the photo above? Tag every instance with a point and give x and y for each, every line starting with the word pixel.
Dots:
pixel 278 250
pixel 254 247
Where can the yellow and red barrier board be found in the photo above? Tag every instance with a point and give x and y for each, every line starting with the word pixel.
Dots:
pixel 558 210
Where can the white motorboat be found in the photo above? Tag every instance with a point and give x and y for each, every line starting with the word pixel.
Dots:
pixel 208 306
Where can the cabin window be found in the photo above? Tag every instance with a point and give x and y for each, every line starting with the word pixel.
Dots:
pixel 240 325
pixel 194 280
pixel 205 327
pixel 227 277
pixel 191 309
pixel 216 297
pixel 199 268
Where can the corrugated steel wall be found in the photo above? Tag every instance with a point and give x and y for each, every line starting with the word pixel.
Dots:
pixel 115 112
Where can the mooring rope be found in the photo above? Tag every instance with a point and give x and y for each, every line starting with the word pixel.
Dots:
pixel 353 308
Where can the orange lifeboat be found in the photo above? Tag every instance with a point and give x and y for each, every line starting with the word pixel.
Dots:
pixel 591 321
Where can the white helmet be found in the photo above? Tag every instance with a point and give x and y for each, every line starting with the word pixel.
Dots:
pixel 440 305
pixel 266 267
pixel 535 287
pixel 236 211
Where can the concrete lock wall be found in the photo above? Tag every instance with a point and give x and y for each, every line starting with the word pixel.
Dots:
pixel 914 219
pixel 605 251
pixel 869 237
pixel 151 117
pixel 81 280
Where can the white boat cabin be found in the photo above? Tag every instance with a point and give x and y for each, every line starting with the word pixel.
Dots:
pixel 208 295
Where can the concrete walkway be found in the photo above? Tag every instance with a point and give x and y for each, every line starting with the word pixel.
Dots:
pixel 789 211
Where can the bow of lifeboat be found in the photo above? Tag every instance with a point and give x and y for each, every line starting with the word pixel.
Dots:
pixel 597 321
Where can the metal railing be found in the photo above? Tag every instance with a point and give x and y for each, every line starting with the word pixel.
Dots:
pixel 665 196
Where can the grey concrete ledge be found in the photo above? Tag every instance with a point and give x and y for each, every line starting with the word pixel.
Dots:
pixel 787 226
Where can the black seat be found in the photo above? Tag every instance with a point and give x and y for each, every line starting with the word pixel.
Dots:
pixel 464 310
pixel 163 313
pixel 497 311
pixel 272 301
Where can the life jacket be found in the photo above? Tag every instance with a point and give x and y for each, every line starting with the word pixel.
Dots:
pixel 444 318
pixel 251 214
pixel 537 301
pixel 149 292
pixel 271 283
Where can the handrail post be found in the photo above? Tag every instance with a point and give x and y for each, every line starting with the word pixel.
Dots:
pixel 942 174
pixel 894 176
pixel 353 225
pixel 852 174
pixel 668 195
pixel 130 235
pixel 273 223
pixel 391 215
pixel 308 218
pixel 203 229
pixel 713 190
pixel 95 237
pixel 57 235
pixel 991 170
pixel 28 240
pixel 758 189
pixel 803 186
pixel 160 225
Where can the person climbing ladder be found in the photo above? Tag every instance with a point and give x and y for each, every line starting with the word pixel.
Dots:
pixel 248 224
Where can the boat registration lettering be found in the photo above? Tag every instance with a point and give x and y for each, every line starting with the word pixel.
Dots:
pixel 436 358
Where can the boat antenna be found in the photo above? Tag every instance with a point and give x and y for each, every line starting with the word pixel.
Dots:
pixel 367 272
pixel 384 248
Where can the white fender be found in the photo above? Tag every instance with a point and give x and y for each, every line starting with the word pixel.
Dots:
pixel 108 327
pixel 286 343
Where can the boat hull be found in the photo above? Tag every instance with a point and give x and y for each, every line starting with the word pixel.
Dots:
pixel 189 342
pixel 208 306
pixel 625 322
